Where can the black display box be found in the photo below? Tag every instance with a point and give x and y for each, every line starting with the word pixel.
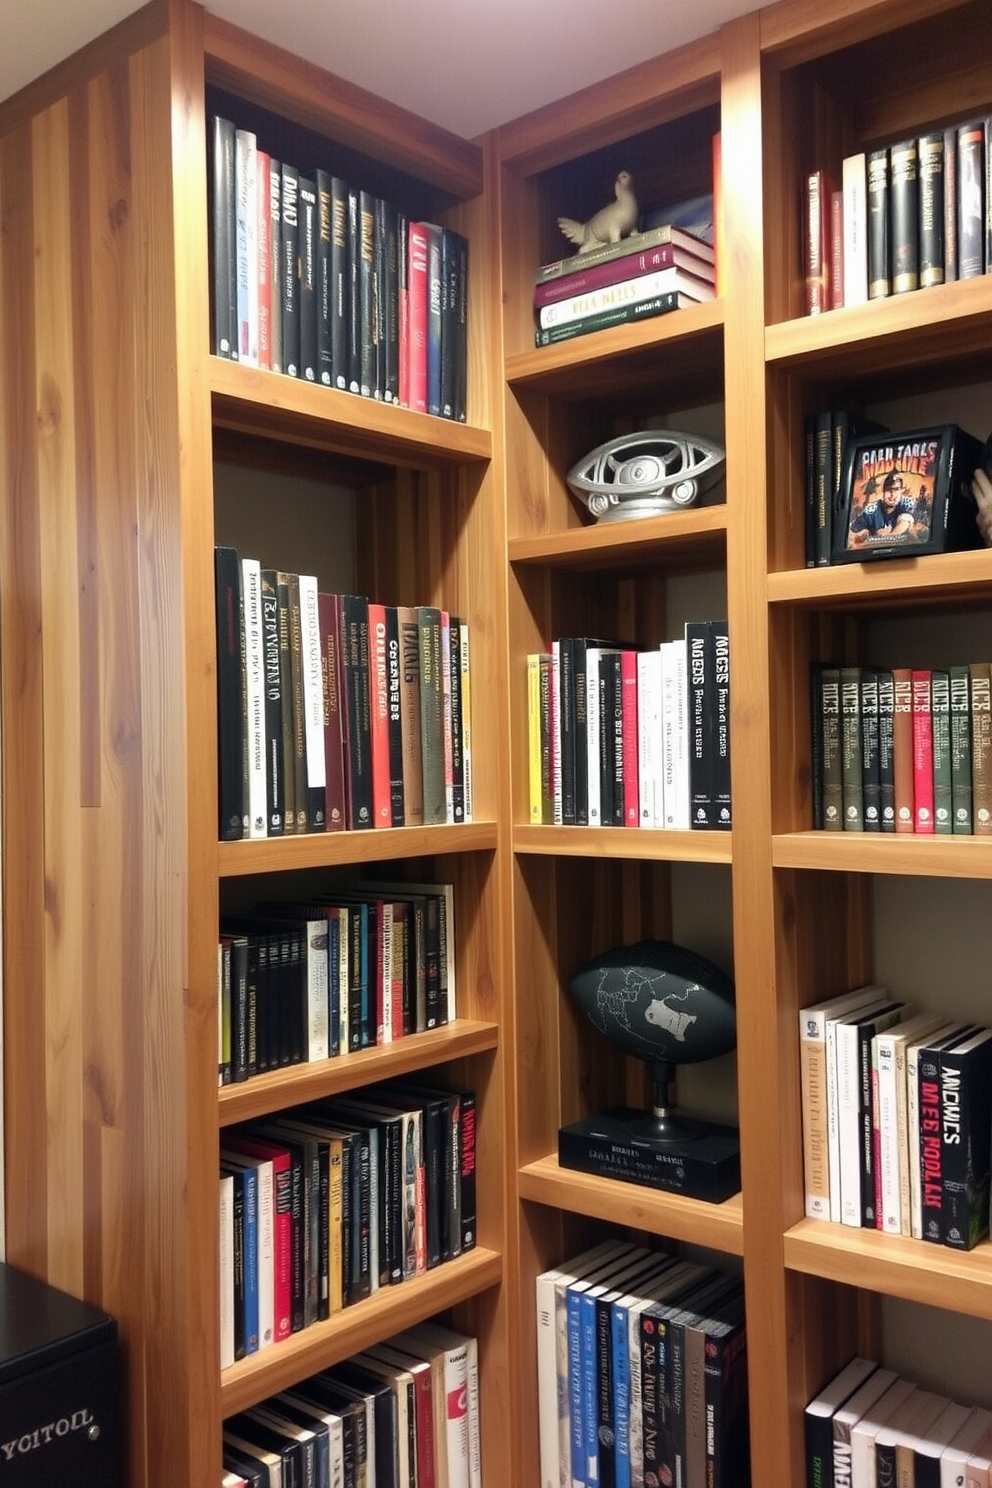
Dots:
pixel 59 1388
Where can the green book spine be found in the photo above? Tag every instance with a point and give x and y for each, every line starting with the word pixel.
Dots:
pixel 852 754
pixel 940 713
pixel 960 699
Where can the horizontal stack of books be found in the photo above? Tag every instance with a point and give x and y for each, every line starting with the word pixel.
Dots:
pixel 662 268
pixel 319 279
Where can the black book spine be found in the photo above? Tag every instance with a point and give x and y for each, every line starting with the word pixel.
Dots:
pixel 886 757
pixel 391 304
pixel 870 768
pixel 904 208
pixel 340 287
pixel 432 714
pixel 354 297
pixel 223 265
pixel 461 333
pixel 931 171
pixel 823 485
pixel 929 1136
pixel 615 723
pixel 467 1185
pixel 581 683
pixel 289 277
pixel 366 294
pixel 379 298
pixel 325 288
pixel 435 296
pixel 720 653
pixel 879 270
pixel 272 677
pixel 309 229
pixel 232 756
pixel 355 625
pixel 275 264
pixel 604 685
pixel 966 1125
pixel 457 721
pixel 239 1263
pixel 699 673
pixel 449 320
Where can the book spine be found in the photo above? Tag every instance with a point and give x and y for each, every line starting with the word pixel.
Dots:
pixel 960 706
pixel 950 203
pixel 419 253
pixel 263 249
pixel 366 330
pixel 828 679
pixel 275 264
pixel 823 478
pixel 816 271
pixel 625 292
pixel 273 703
pixel 699 666
pixel 324 287
pixel 628 705
pixel 651 806
pixel 397 803
pixel 335 801
pixel 413 783
pixel 289 276
pixel 457 728
pixel 232 751
pixel 981 747
pixel 870 756
pixel 931 171
pixel 465 662
pixel 929 1137
pixel 535 743
pixel 940 714
pixel 246 229
pixel 836 250
pixel 251 574
pixel 659 304
pixel 432 714
pixel 902 747
pixel 971 199
pixel 720 651
pixel 879 260
pixel 379 716
pixel 854 188
pixel 923 800
pixel 447 728
pixel 308 279
pixel 313 703
pixel 966 1124
pixel 223 249
pixel 435 295
pixel 339 284
pixel 886 745
pixel 298 712
pixel 851 751
pixel 615 271
pixel 358 754
pixel 581 704
pixel 904 208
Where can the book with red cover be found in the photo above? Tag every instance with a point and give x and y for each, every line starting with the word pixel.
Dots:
pixel 615 271
pixel 922 754
pixel 379 710
pixel 417 266
pixel 263 240
pixel 336 800
pixel 282 1224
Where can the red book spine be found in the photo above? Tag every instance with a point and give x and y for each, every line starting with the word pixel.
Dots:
pixel 618 270
pixel 922 754
pixel 628 723
pixel 264 240
pixel 417 333
pixel 382 813
pixel 329 620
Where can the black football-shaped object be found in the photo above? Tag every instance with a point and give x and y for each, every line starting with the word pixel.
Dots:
pixel 658 1001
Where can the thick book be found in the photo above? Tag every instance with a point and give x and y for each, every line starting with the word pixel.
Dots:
pixel 818 1419
pixel 722 683
pixel 659 304
pixel 263 258
pixel 878 237
pixel 854 188
pixel 871 778
pixel 251 581
pixel 816 242
pixel 923 797
pixel 298 710
pixel 849 1414
pixel 966 1134
pixel 626 292
pixel 394 717
pixel 950 203
pixel 852 771
pixel 232 743
pixel 940 721
pixel 960 748
pixel 971 199
pixel 435 295
pixel 930 166
pixel 275 263
pixel 654 237
pixel 828 782
pixel 354 292
pixel 412 743
pixel 313 703
pixel 325 289
pixel 886 751
pixel 246 243
pixel 275 787
pixel 382 814
pixel 618 270
pixel 431 714
pixel 357 709
pixel 980 675
pixel 335 791
pixel 889 1070
pixel 904 215
pixel 902 748
pixel 417 268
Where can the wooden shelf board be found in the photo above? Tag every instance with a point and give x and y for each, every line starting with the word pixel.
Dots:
pixel 624 843
pixel 697 537
pixel 271 1092
pixel 896 852
pixel 333 849
pixel 935 1275
pixel 950 322
pixel 388 1311
pixel 719 1226
pixel 252 401
pixel 682 350
pixel 891 582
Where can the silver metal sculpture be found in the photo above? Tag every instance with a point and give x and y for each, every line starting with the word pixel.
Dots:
pixel 645 474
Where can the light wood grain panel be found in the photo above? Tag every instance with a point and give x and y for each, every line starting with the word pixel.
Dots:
pixel 806 29
pixel 295 88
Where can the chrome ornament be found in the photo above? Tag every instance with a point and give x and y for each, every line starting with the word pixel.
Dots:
pixel 646 474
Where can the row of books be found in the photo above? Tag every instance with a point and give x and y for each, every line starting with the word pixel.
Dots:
pixel 402 1414
pixel 336 712
pixel 330 283
pixel 827 435
pixel 642 1371
pixel 300 982
pixel 638 271
pixel 907 749
pixel 870 1427
pixel 897 1118
pixel 324 1204
pixel 623 736
pixel 905 216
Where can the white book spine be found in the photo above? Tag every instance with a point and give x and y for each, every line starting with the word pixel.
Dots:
pixel 592 734
pixel 313 697
pixel 251 575
pixel 266 1254
pixel 651 805
pixel 833 1128
pixel 474 1421
pixel 318 971
pixel 466 720
pixel 246 199
pixel 547 1379
pixel 848 1123
pixel 854 190
pixel 677 808
pixel 626 292
pixel 888 1133
pixel 226 1270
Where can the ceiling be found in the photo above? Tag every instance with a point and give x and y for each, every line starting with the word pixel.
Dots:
pixel 465 64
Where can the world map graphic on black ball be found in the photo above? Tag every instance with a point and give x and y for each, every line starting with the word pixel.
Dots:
pixel 659 1002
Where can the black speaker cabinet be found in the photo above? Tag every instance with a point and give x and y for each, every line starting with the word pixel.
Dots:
pixel 59 1387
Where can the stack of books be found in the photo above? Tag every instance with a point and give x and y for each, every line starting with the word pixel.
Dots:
pixel 663 268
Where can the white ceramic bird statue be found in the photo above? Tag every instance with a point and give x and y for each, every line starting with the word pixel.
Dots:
pixel 609 224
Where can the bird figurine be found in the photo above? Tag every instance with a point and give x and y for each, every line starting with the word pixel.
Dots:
pixel 609 224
